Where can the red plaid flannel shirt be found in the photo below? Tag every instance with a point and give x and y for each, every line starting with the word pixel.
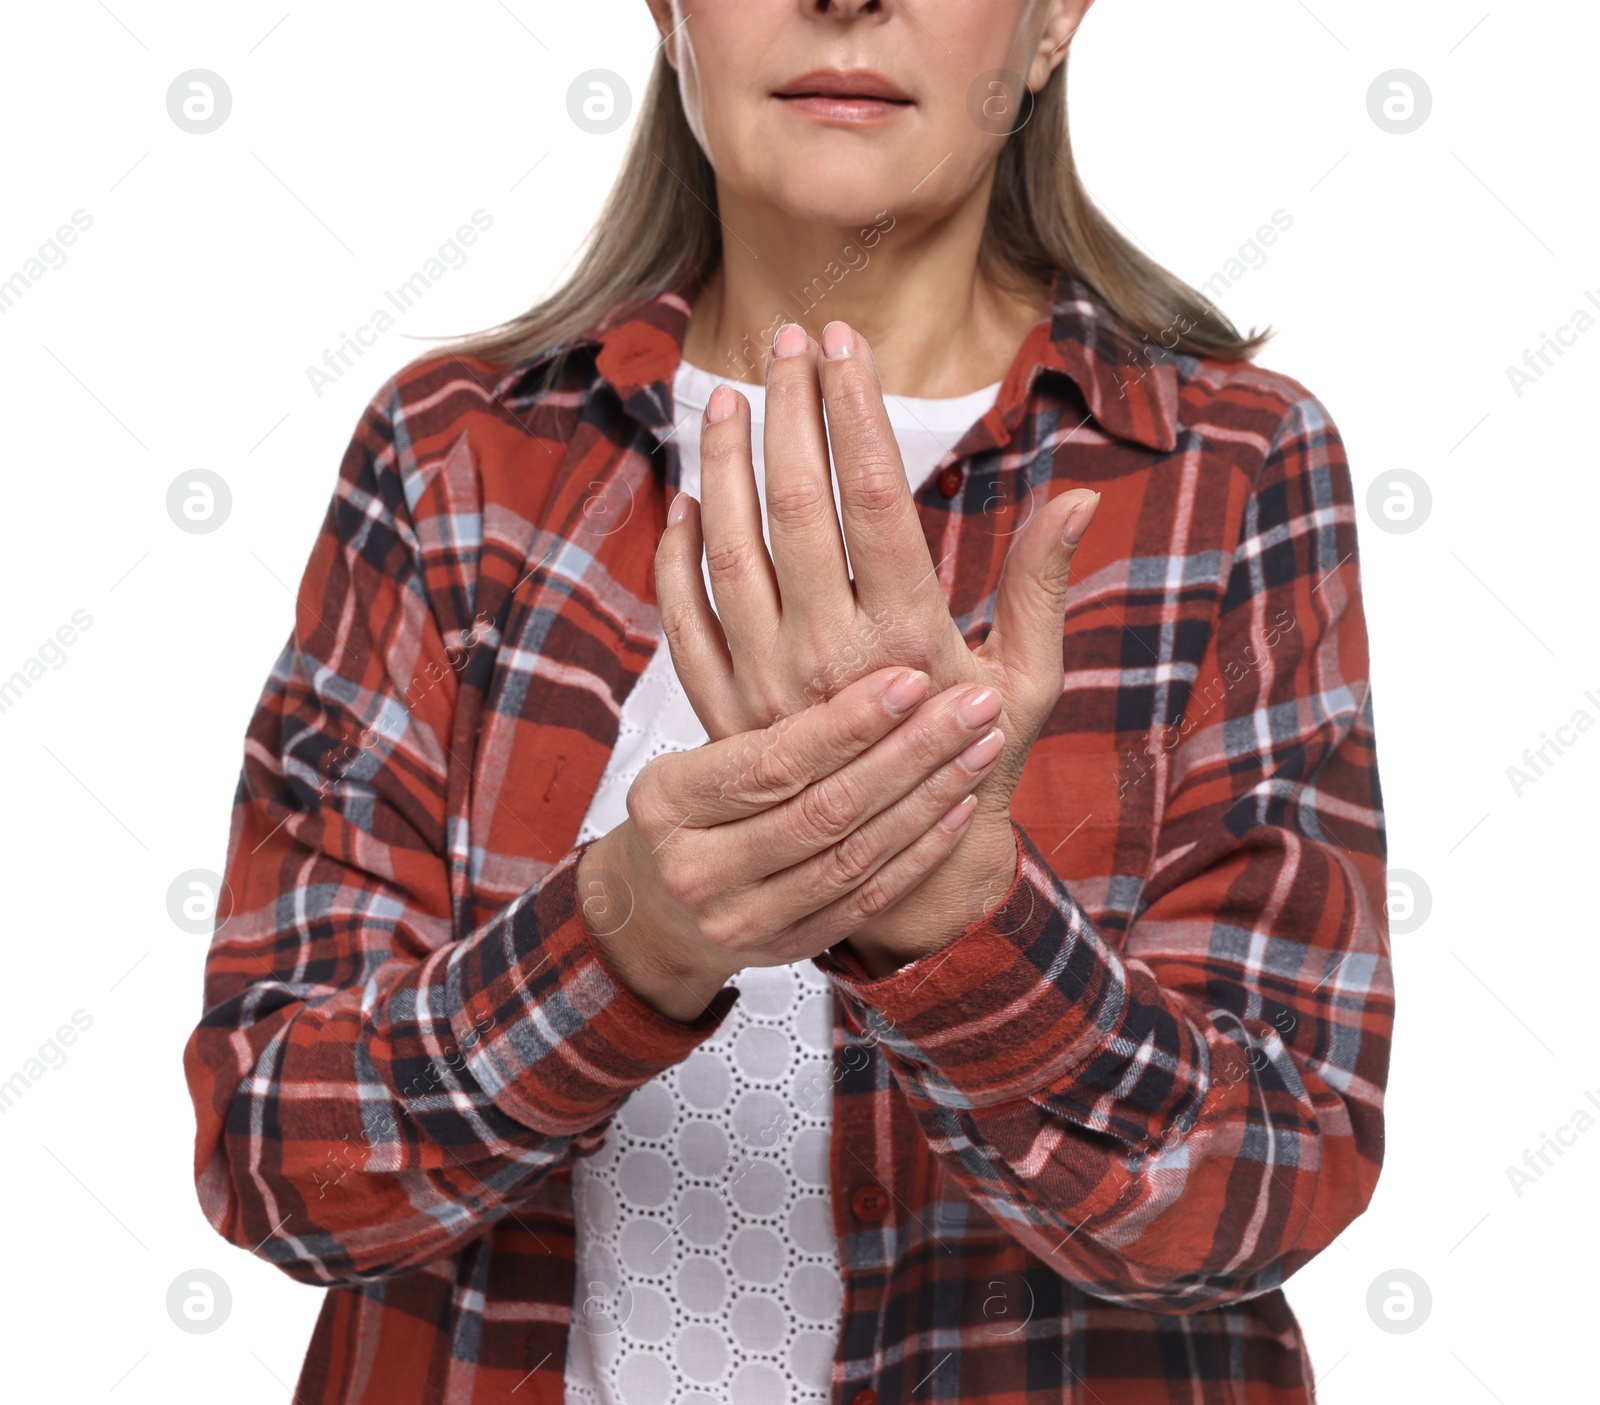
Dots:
pixel 1075 1152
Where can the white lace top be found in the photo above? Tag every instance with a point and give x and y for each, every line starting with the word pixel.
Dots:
pixel 707 1270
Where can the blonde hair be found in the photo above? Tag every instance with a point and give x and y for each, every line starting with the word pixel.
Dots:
pixel 659 230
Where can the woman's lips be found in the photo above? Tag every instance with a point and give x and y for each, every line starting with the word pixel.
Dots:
pixel 858 98
pixel 852 110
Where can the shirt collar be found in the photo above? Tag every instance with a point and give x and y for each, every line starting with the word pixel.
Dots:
pixel 1128 384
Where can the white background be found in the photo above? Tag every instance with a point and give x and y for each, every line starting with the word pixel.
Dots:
pixel 218 268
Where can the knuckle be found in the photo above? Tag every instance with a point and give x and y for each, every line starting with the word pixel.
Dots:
pixel 787 704
pixel 678 624
pixel 929 795
pixel 776 703
pixel 819 687
pixel 878 486
pixel 722 927
pixel 775 772
pixel 945 786
pixel 646 798
pixel 876 895
pixel 926 746
pixel 826 809
pixel 683 880
pixel 797 501
pixel 739 787
pixel 857 727
pixel 850 860
pixel 729 560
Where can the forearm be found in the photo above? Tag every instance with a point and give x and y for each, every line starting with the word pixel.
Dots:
pixel 409 1110
pixel 1130 1132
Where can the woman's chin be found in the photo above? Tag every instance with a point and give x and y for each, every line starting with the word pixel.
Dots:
pixel 826 195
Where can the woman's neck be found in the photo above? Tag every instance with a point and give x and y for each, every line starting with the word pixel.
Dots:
pixel 936 323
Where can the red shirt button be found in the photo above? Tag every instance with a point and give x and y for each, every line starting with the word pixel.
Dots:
pixel 870 1202
pixel 865 1396
pixel 950 482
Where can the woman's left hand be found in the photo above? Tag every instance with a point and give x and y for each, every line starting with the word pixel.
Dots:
pixel 793 627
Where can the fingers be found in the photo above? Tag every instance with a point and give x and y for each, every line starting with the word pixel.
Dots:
pixel 743 585
pixel 694 634
pixel 1030 603
pixel 745 774
pixel 854 860
pixel 888 552
pixel 881 889
pixel 807 548
pixel 831 808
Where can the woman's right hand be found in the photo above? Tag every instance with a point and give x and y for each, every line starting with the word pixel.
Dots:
pixel 773 845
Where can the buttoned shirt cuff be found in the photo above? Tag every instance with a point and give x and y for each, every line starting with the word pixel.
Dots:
pixel 553 1037
pixel 1005 1010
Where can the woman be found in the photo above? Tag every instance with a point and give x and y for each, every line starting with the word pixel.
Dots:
pixel 1062 1010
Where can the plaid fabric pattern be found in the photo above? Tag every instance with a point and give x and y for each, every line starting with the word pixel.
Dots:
pixel 1095 1133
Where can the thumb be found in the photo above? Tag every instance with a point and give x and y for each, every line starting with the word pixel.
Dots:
pixel 1025 638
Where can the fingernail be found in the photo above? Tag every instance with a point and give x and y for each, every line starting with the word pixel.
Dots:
pixel 983 751
pixel 982 706
pixel 837 340
pixel 958 814
pixel 905 692
pixel 790 341
pixel 720 406
pixel 1078 521
pixel 678 510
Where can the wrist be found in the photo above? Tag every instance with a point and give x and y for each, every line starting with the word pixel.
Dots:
pixel 964 890
pixel 641 951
